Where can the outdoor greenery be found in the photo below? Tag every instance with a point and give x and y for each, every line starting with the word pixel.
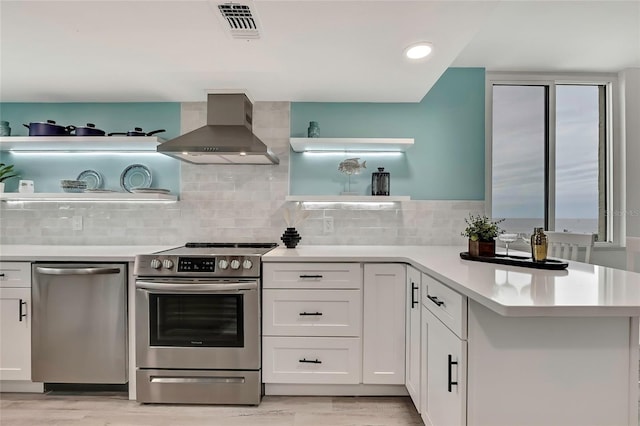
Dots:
pixel 481 228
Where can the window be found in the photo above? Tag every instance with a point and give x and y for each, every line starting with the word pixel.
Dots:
pixel 549 144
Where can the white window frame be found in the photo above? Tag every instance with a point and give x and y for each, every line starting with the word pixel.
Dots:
pixel 614 152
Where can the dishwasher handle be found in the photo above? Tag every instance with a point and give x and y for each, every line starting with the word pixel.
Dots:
pixel 76 271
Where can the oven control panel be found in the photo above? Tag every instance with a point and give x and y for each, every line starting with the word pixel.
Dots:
pixel 203 266
pixel 196 264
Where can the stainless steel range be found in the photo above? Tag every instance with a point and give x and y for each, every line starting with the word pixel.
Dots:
pixel 198 324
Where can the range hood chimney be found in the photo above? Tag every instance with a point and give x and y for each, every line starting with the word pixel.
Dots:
pixel 226 139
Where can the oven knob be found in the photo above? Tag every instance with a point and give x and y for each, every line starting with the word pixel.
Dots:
pixel 167 263
pixel 156 264
pixel 223 264
pixel 247 264
pixel 235 264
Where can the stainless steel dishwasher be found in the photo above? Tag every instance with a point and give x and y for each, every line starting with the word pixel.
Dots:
pixel 79 328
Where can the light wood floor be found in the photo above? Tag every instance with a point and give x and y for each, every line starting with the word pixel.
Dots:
pixel 115 409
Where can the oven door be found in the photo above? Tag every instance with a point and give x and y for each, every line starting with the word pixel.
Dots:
pixel 198 324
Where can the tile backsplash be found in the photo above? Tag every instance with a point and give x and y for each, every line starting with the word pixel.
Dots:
pixel 235 203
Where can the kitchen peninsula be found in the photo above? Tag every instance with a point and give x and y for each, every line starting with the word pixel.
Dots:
pixel 533 346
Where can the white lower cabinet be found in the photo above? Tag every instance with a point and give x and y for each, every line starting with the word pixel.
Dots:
pixel 312 323
pixel 412 336
pixel 444 382
pixel 15 321
pixel 383 335
pixel 313 360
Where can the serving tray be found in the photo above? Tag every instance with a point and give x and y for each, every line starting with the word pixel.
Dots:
pixel 527 262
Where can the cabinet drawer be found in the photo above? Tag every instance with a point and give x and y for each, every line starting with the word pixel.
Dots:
pixel 15 274
pixel 311 312
pixel 306 360
pixel 447 305
pixel 312 275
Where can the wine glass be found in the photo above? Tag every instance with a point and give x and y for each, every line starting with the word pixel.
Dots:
pixel 506 239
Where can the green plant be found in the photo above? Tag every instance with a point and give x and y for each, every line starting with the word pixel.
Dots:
pixel 481 228
pixel 6 172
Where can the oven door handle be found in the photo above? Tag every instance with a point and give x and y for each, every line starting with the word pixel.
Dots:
pixel 200 288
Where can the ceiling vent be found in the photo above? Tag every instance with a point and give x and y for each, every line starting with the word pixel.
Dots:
pixel 242 22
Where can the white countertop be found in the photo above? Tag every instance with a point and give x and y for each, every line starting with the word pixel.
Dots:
pixel 30 253
pixel 581 290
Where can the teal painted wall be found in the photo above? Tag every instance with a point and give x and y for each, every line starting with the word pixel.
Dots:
pixel 446 162
pixel 48 170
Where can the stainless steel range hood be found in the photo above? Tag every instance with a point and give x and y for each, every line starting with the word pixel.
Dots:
pixel 226 139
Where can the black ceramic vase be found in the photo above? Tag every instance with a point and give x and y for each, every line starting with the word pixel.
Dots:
pixel 290 238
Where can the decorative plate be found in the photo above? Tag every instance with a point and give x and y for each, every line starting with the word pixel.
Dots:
pixel 135 176
pixel 92 178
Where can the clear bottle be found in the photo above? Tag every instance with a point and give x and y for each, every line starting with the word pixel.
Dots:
pixel 539 245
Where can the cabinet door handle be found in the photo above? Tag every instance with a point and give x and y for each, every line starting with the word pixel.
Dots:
pixel 311 276
pixel 302 314
pixel 1 274
pixel 310 361
pixel 435 300
pixel 414 300
pixel 449 382
pixel 21 315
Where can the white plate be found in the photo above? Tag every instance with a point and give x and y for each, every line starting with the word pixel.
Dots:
pixel 92 178
pixel 135 176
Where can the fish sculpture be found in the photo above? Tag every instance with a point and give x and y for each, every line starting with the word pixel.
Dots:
pixel 351 166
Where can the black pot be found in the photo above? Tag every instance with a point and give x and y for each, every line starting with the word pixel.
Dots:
pixel 89 130
pixel 50 128
pixel 137 132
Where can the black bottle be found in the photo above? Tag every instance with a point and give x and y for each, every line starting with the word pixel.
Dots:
pixel 380 182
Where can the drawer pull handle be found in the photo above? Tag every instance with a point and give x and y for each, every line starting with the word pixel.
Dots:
pixel 310 361
pixel 414 300
pixel 451 364
pixel 21 315
pixel 435 300
pixel 304 314
pixel 1 274
pixel 311 276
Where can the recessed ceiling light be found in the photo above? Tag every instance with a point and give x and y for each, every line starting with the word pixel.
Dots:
pixel 418 50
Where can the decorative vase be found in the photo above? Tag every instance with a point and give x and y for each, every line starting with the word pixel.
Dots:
pixel 291 238
pixel 482 248
pixel 314 130
pixel 5 130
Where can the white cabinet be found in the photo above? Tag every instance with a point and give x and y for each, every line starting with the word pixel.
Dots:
pixel 383 335
pixel 445 379
pixel 412 336
pixel 443 366
pixel 15 321
pixel 312 322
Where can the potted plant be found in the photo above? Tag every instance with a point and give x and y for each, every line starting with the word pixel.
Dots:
pixel 6 172
pixel 482 232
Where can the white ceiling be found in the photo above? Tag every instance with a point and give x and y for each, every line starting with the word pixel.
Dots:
pixel 343 51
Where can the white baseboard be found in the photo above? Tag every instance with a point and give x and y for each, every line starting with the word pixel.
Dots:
pixel 334 390
pixel 21 386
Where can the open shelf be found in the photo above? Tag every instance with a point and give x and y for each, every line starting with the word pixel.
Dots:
pixel 351 144
pixel 79 143
pixel 348 198
pixel 112 197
